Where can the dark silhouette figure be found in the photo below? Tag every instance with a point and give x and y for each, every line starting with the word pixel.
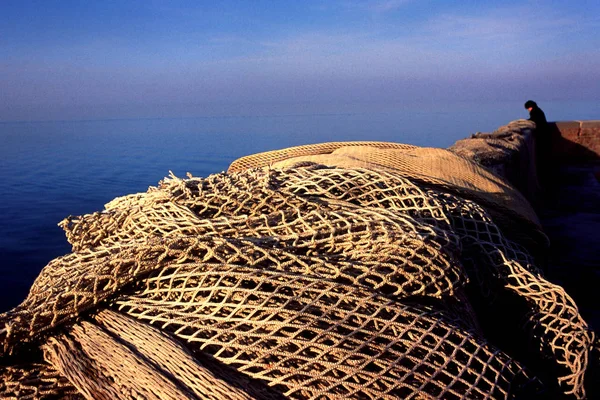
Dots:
pixel 536 115
pixel 542 141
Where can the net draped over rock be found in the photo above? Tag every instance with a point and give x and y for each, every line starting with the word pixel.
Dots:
pixel 348 275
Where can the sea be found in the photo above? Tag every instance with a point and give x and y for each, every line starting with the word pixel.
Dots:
pixel 52 169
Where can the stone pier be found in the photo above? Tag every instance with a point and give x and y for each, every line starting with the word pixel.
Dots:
pixel 564 187
pixel 562 180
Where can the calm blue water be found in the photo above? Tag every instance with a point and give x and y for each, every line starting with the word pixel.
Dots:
pixel 50 170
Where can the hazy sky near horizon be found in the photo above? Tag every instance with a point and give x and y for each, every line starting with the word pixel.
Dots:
pixel 66 59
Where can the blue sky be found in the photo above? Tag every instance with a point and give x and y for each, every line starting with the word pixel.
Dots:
pixel 119 59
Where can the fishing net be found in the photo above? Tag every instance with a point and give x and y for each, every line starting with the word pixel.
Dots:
pixel 361 275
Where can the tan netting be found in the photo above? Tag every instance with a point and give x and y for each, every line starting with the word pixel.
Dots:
pixel 430 166
pixel 270 157
pixel 139 363
pixel 35 381
pixel 300 281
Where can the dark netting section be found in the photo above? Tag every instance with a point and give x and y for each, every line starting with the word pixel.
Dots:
pixel 303 282
pixel 35 381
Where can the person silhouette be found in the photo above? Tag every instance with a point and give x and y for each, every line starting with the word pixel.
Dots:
pixel 536 115
pixel 543 145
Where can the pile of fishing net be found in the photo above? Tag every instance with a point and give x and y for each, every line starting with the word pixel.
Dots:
pixel 341 270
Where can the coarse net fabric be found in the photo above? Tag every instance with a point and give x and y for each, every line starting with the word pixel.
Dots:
pixel 300 281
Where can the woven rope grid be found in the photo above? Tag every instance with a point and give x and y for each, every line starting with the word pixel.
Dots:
pixel 271 157
pixel 553 318
pixel 430 166
pixel 139 353
pixel 313 279
pixel 35 381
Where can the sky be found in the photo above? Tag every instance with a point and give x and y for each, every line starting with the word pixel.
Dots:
pixel 69 60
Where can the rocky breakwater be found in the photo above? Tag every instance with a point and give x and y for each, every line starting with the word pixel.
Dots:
pixel 562 180
pixel 570 211
pixel 574 142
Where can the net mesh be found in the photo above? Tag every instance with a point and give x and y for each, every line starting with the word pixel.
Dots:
pixel 35 381
pixel 299 281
